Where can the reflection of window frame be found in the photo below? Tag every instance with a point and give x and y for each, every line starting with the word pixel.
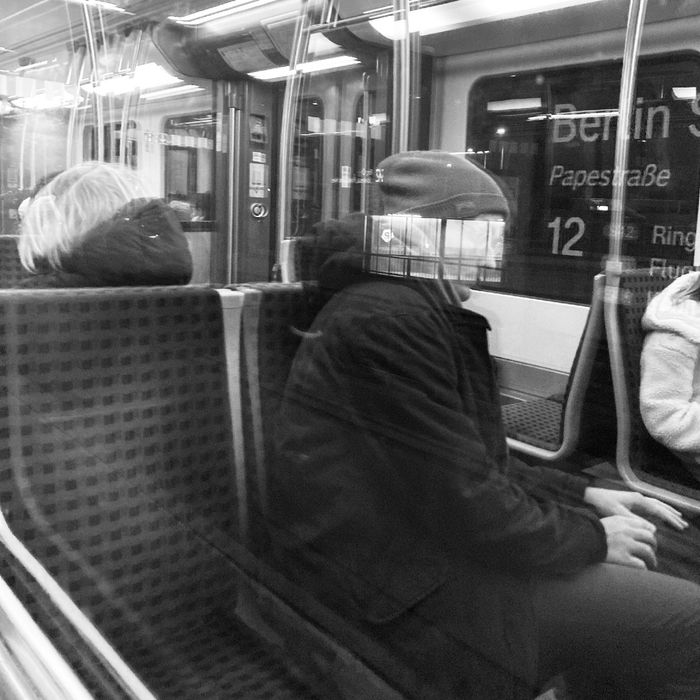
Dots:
pixel 175 128
pixel 363 192
pixel 171 169
pixel 307 194
pixel 113 143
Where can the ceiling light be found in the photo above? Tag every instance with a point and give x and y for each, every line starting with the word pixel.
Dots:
pixel 462 13
pixel 309 67
pixel 219 12
pixel 148 76
pixel 171 92
pixel 100 5
pixel 514 105
pixel 44 101
pixel 684 93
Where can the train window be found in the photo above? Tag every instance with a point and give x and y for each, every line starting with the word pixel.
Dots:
pixel 188 145
pixel 550 135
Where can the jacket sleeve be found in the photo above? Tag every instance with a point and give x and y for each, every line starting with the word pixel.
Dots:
pixel 666 392
pixel 405 387
pixel 543 482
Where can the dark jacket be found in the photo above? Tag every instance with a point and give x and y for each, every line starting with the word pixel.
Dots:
pixel 141 245
pixel 393 497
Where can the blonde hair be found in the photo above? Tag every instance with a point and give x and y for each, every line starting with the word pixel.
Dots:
pixel 63 211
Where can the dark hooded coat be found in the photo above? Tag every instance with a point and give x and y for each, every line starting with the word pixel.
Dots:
pixel 393 498
pixel 141 245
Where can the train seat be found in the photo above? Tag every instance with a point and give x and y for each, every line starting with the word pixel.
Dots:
pixel 344 660
pixel 11 270
pixel 551 429
pixel 274 318
pixel 118 483
pixel 643 463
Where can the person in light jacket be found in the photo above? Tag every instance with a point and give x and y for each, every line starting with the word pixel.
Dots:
pixel 669 394
pixel 93 225
pixel 393 498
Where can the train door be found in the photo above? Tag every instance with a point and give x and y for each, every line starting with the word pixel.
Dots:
pixel 253 108
pixel 246 49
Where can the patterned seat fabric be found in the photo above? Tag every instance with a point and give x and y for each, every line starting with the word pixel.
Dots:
pixel 117 471
pixel 11 270
pixel 275 317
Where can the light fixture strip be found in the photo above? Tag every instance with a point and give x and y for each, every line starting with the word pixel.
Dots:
pixel 308 67
pixel 219 11
pixel 462 13
pixel 100 4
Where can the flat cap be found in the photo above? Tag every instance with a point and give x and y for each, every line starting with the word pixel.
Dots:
pixel 440 185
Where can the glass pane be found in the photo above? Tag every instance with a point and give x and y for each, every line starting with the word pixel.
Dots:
pixel 550 135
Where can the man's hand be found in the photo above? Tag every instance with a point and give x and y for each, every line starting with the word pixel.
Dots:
pixel 608 502
pixel 631 541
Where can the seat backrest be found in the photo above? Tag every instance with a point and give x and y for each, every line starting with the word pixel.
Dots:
pixel 117 475
pixel 11 270
pixel 589 408
pixel 275 317
pixel 645 464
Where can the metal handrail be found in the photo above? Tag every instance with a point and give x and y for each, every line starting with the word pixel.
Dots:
pixel 289 112
pixel 633 39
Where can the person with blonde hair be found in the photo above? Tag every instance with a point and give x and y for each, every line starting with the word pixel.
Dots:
pixel 93 225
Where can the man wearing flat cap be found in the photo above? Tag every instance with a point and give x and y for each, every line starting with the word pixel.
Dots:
pixel 394 501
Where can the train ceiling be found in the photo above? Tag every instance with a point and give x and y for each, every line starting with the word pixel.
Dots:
pixel 33 31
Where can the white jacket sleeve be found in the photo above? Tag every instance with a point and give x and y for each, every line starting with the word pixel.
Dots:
pixel 668 408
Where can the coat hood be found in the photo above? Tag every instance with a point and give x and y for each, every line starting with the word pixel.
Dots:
pixel 673 311
pixel 141 245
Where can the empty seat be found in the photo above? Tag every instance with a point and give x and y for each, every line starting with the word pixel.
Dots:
pixel 644 463
pixel 551 429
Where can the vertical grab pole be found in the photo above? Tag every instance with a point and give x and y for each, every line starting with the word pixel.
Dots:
pixel 95 76
pixel 633 38
pixel 233 172
pixel 137 53
pixel 401 79
pixel 289 112
pixel 614 264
